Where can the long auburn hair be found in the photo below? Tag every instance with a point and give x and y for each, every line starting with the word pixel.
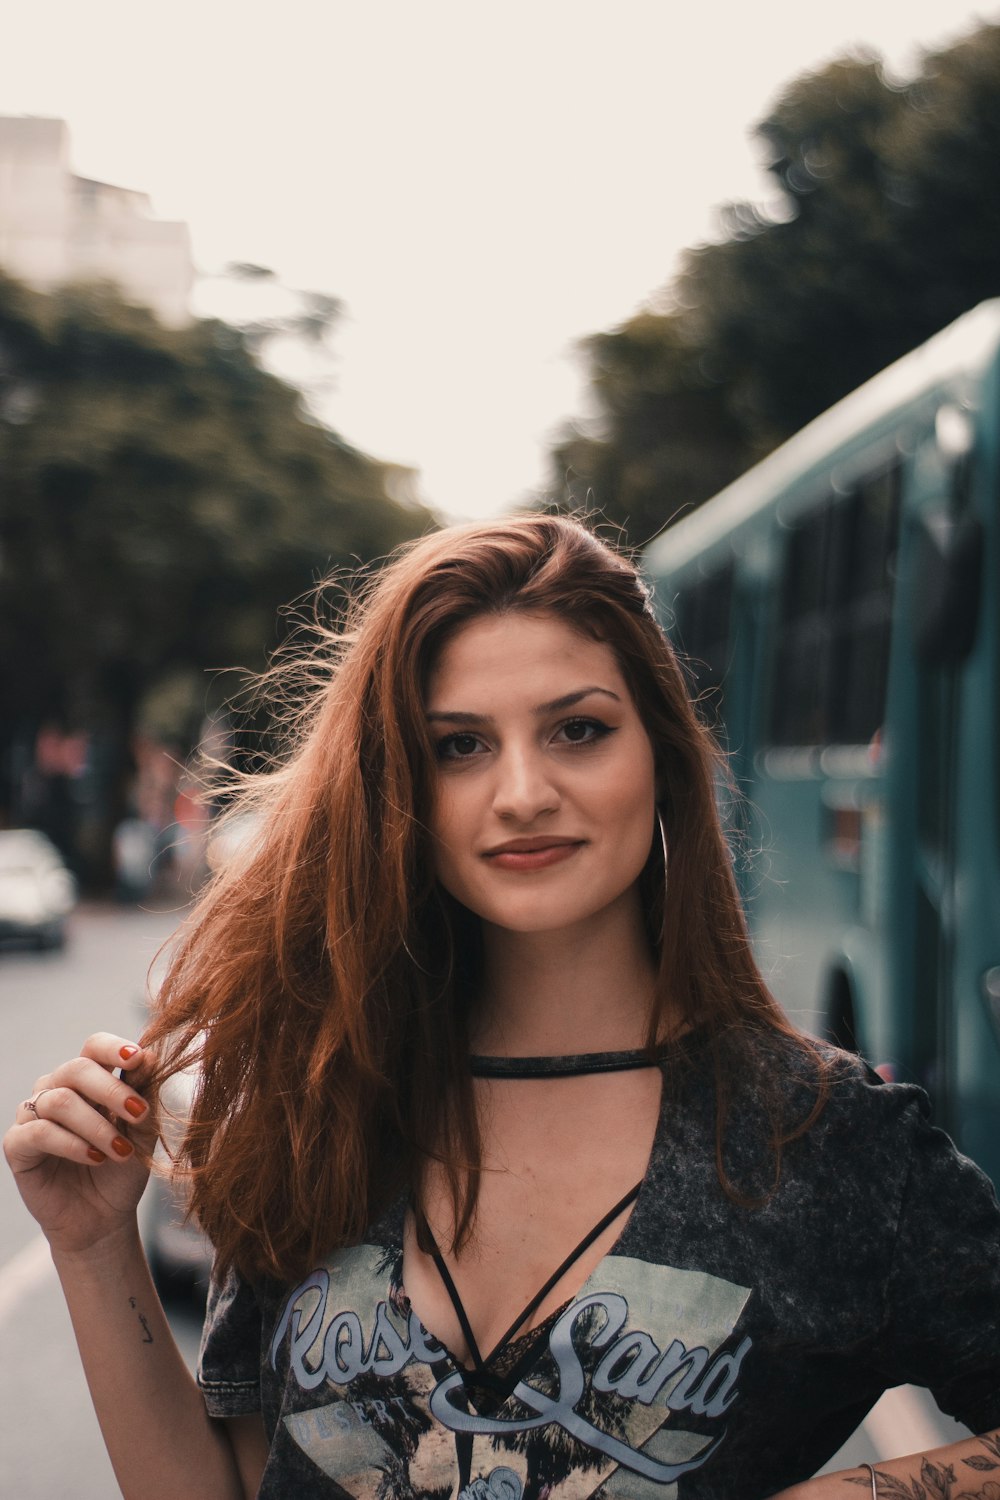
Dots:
pixel 323 980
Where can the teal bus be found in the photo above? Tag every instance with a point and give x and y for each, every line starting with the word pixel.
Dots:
pixel 840 610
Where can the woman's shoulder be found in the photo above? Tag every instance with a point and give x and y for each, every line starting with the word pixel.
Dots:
pixel 799 1066
pixel 880 1140
pixel 853 1103
pixel 812 1098
pixel 859 1098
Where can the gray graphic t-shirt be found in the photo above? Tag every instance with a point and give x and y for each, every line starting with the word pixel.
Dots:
pixel 717 1352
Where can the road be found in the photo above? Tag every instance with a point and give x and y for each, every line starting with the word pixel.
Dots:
pixel 51 1447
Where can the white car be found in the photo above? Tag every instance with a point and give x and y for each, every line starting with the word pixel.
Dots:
pixel 37 892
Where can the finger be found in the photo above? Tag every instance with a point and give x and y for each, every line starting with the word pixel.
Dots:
pixel 138 1067
pixel 27 1146
pixel 130 1060
pixel 113 1051
pixel 97 1089
pixel 72 1115
pixel 27 1110
pixel 110 1052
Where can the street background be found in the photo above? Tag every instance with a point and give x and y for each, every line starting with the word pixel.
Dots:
pixel 50 1003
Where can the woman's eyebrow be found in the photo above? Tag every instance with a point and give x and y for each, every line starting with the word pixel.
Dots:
pixel 568 700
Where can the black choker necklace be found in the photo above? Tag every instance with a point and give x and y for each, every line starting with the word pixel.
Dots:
pixel 573 1065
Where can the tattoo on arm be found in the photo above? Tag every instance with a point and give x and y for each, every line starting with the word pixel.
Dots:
pixel 939 1481
pixel 147 1337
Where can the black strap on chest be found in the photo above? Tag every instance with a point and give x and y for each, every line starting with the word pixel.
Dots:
pixel 572 1066
pixel 539 1297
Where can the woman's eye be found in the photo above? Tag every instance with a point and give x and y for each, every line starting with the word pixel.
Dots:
pixel 583 731
pixel 458 746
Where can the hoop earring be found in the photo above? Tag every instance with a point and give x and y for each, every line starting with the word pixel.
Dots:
pixel 666 873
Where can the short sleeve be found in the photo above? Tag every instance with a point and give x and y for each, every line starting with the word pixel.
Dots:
pixel 229 1359
pixel 943 1294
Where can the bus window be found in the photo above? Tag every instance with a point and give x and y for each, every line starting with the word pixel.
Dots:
pixel 704 611
pixel 861 651
pixel 832 659
pixel 801 698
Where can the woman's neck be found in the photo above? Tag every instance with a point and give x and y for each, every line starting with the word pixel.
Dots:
pixel 586 989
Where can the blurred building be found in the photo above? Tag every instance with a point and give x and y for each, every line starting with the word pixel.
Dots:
pixel 56 227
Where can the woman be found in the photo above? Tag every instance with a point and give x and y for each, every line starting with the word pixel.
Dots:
pixel 519 1183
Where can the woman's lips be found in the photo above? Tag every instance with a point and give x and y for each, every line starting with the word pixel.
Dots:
pixel 533 859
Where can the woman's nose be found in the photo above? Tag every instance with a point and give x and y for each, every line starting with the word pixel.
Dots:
pixel 524 787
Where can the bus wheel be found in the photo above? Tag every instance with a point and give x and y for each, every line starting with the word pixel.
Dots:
pixel 840 1015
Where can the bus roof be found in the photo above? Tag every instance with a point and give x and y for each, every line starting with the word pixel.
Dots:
pixel 965 346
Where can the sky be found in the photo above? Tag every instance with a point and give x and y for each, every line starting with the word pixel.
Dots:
pixel 482 184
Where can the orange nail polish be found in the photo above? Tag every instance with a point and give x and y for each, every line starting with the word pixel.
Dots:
pixel 121 1147
pixel 126 1052
pixel 135 1107
pixel 96 1155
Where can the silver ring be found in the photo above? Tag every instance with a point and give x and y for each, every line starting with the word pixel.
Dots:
pixel 32 1103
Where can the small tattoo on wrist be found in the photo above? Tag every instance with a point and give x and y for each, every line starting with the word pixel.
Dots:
pixel 147 1337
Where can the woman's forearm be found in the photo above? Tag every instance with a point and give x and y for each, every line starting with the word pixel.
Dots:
pixel 161 1441
pixel 961 1471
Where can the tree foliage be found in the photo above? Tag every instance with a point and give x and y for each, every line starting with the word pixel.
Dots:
pixel 161 496
pixel 884 229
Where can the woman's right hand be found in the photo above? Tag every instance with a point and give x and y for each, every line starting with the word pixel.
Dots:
pixel 72 1148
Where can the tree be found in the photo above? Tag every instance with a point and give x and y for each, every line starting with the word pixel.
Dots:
pixel 944 165
pixel 288 329
pixel 885 230
pixel 667 434
pixel 161 497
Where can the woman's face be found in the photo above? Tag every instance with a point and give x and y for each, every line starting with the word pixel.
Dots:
pixel 544 802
